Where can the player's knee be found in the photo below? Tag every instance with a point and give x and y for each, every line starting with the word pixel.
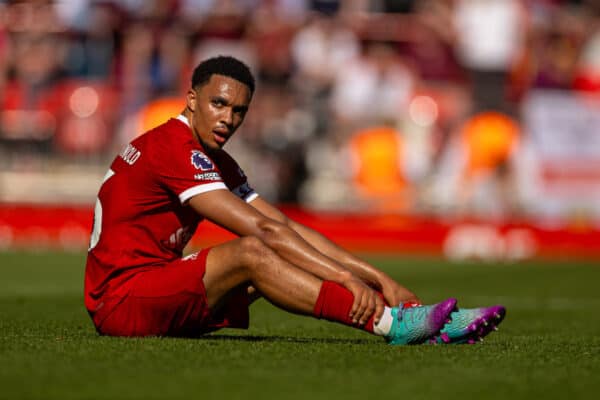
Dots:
pixel 254 251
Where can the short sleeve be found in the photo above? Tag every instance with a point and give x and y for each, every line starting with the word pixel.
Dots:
pixel 235 178
pixel 187 172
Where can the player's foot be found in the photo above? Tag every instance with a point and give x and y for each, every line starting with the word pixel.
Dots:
pixel 415 325
pixel 470 325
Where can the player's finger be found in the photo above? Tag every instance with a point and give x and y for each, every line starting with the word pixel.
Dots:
pixel 355 303
pixel 356 306
pixel 362 305
pixel 369 309
pixel 379 307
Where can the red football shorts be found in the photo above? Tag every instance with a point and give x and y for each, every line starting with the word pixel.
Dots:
pixel 170 300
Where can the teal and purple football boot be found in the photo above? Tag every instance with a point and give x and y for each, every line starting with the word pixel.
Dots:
pixel 470 325
pixel 415 325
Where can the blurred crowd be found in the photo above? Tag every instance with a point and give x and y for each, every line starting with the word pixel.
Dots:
pixel 393 105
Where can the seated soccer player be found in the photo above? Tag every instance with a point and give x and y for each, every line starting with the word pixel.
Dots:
pixel 168 180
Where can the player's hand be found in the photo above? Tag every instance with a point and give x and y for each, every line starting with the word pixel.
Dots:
pixel 396 294
pixel 366 301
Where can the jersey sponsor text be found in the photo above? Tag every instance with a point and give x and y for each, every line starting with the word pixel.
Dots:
pixel 208 176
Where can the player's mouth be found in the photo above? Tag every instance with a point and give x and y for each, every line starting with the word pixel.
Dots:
pixel 220 135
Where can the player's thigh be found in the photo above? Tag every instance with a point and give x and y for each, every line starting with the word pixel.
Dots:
pixel 165 300
pixel 228 267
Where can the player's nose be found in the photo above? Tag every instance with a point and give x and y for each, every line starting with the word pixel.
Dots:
pixel 227 117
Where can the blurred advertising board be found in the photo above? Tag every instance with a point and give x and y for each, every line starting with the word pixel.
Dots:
pixel 67 228
pixel 563 136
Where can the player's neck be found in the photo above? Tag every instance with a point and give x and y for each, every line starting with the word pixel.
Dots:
pixel 185 117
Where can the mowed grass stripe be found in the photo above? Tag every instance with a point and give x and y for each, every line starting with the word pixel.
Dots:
pixel 548 347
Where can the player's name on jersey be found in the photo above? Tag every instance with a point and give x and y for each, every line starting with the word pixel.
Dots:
pixel 130 154
pixel 208 176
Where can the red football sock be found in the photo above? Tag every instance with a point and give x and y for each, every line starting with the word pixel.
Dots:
pixel 334 304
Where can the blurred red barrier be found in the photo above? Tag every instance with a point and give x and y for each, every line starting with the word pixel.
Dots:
pixel 68 228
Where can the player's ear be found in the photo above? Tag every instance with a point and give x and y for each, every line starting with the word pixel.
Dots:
pixel 191 99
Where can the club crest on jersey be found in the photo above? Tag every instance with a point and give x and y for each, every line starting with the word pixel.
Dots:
pixel 201 161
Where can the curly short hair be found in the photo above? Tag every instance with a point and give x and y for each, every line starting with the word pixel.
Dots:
pixel 226 66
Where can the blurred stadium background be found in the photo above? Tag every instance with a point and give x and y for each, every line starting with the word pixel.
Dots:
pixel 462 128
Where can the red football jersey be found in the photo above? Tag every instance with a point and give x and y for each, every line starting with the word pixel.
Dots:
pixel 141 217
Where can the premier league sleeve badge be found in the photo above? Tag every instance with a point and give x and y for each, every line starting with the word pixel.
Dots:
pixel 201 161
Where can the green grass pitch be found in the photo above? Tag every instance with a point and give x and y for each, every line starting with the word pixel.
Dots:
pixel 548 347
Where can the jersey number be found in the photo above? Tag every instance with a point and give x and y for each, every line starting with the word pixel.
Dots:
pixel 97 229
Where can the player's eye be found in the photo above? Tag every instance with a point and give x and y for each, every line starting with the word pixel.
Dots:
pixel 240 110
pixel 218 102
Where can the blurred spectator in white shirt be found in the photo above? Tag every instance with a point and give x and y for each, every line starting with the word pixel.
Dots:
pixel 490 34
pixel 372 88
pixel 320 49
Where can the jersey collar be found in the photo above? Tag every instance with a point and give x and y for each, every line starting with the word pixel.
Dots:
pixel 183 119
pixel 186 121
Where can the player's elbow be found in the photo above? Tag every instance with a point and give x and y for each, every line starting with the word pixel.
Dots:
pixel 273 233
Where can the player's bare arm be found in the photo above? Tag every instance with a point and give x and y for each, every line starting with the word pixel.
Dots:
pixel 228 211
pixel 393 292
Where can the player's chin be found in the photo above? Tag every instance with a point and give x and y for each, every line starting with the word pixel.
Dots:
pixel 213 145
